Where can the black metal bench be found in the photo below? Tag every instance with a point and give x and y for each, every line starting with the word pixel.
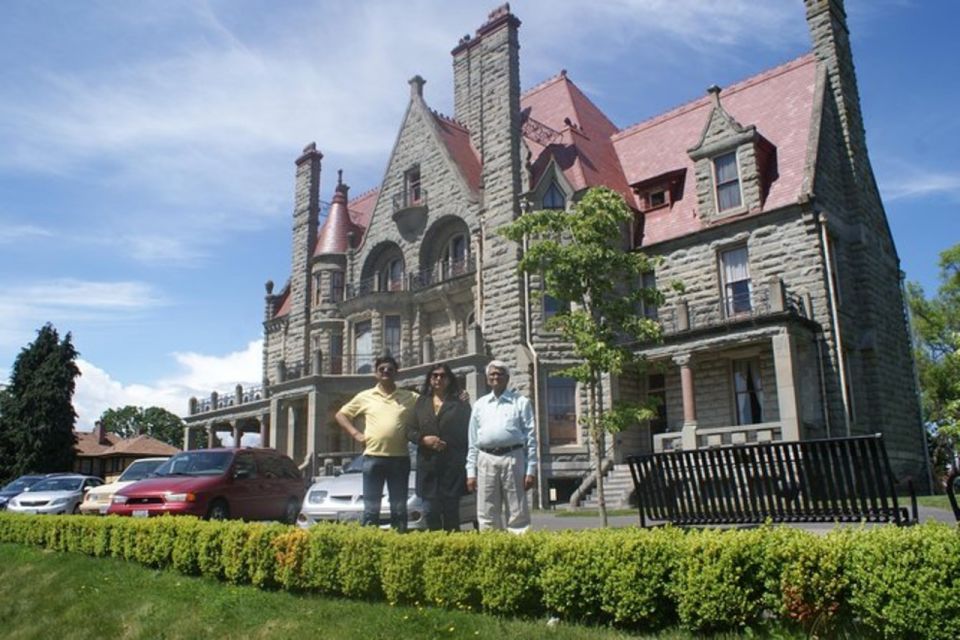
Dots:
pixel 952 474
pixel 830 480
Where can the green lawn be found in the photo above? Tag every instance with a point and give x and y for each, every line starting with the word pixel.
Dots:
pixel 937 502
pixel 65 596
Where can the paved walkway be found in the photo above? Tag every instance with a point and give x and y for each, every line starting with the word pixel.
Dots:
pixel 549 521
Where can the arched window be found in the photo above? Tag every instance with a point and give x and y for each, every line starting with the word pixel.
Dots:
pixel 554 198
pixel 454 257
pixel 391 276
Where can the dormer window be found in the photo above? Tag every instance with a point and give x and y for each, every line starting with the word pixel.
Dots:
pixel 728 181
pixel 554 198
pixel 656 199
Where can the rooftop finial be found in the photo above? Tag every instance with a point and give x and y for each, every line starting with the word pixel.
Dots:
pixel 339 177
pixel 714 91
pixel 416 86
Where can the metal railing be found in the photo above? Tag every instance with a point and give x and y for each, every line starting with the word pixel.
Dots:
pixel 408 198
pixel 442 271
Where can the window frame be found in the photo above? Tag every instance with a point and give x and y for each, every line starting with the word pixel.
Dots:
pixel 717 185
pixel 366 366
pixel 412 186
pixel 757 393
pixel 389 331
pixel 730 302
pixel 552 192
pixel 570 384
pixel 336 286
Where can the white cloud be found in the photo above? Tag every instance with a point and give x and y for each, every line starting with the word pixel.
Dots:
pixel 24 307
pixel 12 232
pixel 922 184
pixel 199 374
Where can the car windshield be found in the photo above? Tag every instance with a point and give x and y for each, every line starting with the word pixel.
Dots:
pixel 57 484
pixel 196 463
pixel 21 484
pixel 139 470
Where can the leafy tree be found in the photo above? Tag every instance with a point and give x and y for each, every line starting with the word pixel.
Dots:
pixel 584 264
pixel 936 326
pixel 130 421
pixel 36 410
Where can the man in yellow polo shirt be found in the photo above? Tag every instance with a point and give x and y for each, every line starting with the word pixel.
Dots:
pixel 387 411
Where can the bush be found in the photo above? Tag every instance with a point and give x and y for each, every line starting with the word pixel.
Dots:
pixel 885 581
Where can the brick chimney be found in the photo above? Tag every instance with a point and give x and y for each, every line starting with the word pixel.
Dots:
pixel 306 213
pixel 100 433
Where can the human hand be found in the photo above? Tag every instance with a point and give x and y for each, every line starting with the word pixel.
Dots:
pixel 464 396
pixel 529 481
pixel 360 437
pixel 471 485
pixel 433 442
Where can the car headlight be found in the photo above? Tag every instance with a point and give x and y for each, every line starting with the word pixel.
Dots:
pixel 180 497
pixel 14 503
pixel 119 499
pixel 89 497
pixel 316 497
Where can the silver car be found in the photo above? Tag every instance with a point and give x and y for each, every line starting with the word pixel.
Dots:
pixel 54 495
pixel 340 499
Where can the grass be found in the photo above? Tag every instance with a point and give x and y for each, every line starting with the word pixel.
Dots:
pixel 46 594
pixel 936 502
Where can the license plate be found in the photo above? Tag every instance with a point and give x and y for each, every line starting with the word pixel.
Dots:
pixel 141 513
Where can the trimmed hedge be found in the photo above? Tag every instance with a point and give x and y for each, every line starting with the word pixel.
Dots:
pixel 884 581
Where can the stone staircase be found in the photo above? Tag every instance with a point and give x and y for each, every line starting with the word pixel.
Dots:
pixel 617 487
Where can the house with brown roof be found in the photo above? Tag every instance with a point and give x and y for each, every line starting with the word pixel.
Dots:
pixel 106 455
pixel 759 197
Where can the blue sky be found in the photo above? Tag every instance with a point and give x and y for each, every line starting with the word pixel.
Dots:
pixel 146 176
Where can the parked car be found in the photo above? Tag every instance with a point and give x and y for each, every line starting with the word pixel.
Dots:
pixel 97 500
pixel 340 499
pixel 60 493
pixel 252 484
pixel 18 486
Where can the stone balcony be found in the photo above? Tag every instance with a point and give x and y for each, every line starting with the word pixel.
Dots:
pixel 705 438
pixel 413 281
pixel 218 401
pixel 410 210
pixel 764 300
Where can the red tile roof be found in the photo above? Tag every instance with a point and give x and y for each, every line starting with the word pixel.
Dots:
pixel 334 235
pixel 581 147
pixel 88 446
pixel 361 208
pixel 779 102
pixel 283 305
pixel 457 140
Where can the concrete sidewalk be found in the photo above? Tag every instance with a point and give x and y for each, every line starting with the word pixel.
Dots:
pixel 550 521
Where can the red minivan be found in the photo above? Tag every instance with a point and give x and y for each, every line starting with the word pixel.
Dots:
pixel 252 484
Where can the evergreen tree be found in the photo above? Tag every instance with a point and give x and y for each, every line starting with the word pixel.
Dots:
pixel 36 410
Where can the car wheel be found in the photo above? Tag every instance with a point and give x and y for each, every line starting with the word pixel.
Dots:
pixel 291 511
pixel 218 510
pixel 76 509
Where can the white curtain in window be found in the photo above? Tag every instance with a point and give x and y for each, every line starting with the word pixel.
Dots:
pixel 749 391
pixel 363 347
pixel 735 266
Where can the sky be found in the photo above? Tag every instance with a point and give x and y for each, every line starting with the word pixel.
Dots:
pixel 147 163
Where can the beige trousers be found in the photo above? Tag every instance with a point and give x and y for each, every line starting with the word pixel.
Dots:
pixel 501 499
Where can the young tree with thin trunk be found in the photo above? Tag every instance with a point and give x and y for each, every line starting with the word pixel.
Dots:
pixel 584 262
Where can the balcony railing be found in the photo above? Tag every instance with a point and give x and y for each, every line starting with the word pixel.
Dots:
pixel 414 280
pixel 442 271
pixel 410 198
pixel 223 400
pixel 720 436
pixel 762 301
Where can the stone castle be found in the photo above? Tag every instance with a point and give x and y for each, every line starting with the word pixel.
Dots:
pixel 759 197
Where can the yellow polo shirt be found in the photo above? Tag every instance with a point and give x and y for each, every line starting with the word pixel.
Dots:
pixel 386 416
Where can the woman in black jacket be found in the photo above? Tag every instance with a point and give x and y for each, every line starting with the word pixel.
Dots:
pixel 439 429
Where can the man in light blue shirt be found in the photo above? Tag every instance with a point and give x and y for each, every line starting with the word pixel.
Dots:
pixel 502 454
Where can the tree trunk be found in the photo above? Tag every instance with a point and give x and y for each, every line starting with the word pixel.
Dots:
pixel 596 432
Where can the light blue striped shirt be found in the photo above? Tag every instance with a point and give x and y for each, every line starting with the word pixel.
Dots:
pixel 502 422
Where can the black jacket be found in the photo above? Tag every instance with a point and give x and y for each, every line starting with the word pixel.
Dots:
pixel 441 473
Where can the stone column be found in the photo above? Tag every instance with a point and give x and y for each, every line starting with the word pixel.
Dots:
pixel 787 396
pixel 310 424
pixel 237 433
pixel 277 420
pixel 689 437
pixel 293 413
pixel 265 430
pixel 211 437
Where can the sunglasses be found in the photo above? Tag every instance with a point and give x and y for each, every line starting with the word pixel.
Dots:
pixel 386 369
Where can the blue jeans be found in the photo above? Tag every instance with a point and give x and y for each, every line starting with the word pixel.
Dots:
pixel 395 472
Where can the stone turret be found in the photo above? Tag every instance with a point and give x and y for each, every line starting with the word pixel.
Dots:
pixel 306 211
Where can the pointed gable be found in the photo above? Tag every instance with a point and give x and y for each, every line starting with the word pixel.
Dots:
pixel 456 138
pixel 560 123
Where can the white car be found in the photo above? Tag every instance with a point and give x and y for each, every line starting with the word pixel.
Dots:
pixel 340 499
pixel 97 500
pixel 54 495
